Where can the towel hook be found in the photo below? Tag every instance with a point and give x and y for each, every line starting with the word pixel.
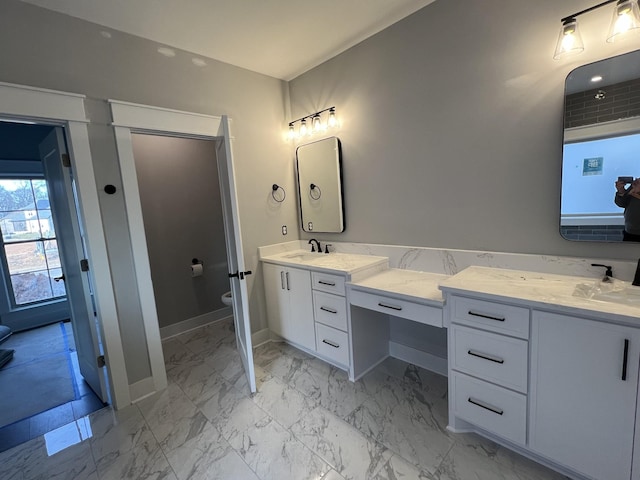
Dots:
pixel 313 187
pixel 274 189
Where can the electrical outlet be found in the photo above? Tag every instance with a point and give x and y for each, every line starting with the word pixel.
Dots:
pixel 284 229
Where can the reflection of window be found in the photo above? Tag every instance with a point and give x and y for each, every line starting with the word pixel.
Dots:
pixel 29 241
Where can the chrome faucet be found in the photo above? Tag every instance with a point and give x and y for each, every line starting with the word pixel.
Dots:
pixel 313 247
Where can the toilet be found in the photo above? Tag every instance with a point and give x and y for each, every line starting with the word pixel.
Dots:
pixel 226 299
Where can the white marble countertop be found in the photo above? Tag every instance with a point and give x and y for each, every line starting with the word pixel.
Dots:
pixel 408 285
pixel 326 262
pixel 543 290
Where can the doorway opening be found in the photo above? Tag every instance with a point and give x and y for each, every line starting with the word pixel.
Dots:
pixel 129 119
pixel 45 385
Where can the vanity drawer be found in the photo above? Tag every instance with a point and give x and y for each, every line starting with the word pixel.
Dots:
pixel 330 310
pixel 490 356
pixel 399 308
pixel 327 282
pixel 490 407
pixel 332 344
pixel 507 319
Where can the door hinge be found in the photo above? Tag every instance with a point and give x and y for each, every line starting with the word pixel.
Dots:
pixel 66 160
pixel 84 265
pixel 101 361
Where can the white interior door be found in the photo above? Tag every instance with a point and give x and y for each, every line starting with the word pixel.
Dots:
pixel 235 253
pixel 69 234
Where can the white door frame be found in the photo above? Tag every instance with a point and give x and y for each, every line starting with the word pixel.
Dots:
pixel 26 103
pixel 127 118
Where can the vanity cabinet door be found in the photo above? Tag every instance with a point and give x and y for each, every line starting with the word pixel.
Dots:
pixel 301 324
pixel 289 304
pixel 277 298
pixel 584 381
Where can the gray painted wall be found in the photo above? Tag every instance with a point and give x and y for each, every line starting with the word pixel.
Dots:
pixel 181 206
pixel 50 50
pixel 452 126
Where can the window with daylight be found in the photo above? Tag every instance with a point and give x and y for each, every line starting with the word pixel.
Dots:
pixel 29 241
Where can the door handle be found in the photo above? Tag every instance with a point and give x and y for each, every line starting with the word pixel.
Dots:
pixel 288 287
pixel 625 359
pixel 282 280
pixel 57 279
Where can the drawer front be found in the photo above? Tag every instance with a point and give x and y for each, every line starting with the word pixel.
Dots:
pixel 330 310
pixel 327 282
pixel 507 319
pixel 332 344
pixel 399 308
pixel 491 356
pixel 490 407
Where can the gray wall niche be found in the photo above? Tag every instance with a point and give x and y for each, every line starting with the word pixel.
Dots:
pixel 182 211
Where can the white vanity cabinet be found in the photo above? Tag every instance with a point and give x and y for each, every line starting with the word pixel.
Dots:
pixel 550 374
pixel 330 314
pixel 584 384
pixel 290 304
pixel 488 365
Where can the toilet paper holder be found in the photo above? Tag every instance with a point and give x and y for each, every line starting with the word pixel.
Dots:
pixel 197 268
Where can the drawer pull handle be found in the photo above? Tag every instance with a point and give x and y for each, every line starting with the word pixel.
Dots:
pixel 331 284
pixel 392 307
pixel 486 406
pixel 625 359
pixel 499 319
pixel 325 309
pixel 331 344
pixel 485 356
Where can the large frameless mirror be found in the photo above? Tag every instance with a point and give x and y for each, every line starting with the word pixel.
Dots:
pixel 601 151
pixel 319 166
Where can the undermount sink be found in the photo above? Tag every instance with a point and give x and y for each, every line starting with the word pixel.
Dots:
pixel 616 291
pixel 628 296
pixel 303 256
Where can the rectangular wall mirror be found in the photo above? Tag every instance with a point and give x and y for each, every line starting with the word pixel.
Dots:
pixel 602 144
pixel 319 166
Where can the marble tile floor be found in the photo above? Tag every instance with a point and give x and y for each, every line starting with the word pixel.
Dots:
pixel 307 421
pixel 32 344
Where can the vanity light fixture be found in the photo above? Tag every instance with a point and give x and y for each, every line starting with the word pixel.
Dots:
pixel 626 16
pixel 316 123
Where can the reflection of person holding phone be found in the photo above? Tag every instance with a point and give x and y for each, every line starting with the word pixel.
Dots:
pixel 629 199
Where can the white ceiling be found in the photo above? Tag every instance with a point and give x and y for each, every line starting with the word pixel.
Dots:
pixel 280 38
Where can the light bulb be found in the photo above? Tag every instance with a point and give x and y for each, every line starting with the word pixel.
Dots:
pixel 332 122
pixel 303 127
pixel 317 124
pixel 626 16
pixel 292 131
pixel 569 40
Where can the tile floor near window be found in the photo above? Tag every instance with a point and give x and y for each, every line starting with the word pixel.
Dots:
pixel 307 421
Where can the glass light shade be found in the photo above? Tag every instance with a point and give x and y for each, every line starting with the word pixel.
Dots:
pixel 303 127
pixel 317 124
pixel 569 40
pixel 292 131
pixel 332 121
pixel 626 16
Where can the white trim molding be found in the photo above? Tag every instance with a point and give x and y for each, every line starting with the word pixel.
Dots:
pixel 67 109
pixel 595 131
pixel 156 119
pixel 32 102
pixel 128 118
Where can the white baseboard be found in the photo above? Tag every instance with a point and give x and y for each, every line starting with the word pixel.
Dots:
pixel 195 322
pixel 261 337
pixel 142 389
pixel 422 359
